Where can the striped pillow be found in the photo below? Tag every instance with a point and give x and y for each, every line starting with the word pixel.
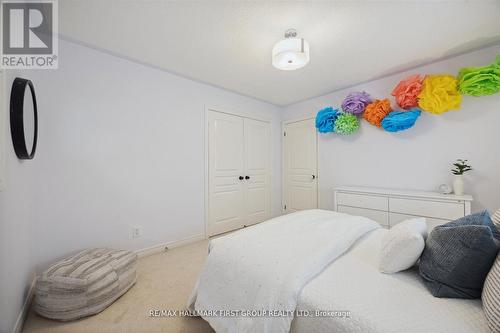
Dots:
pixel 491 296
pixel 496 219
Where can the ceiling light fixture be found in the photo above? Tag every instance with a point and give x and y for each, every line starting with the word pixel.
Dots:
pixel 290 53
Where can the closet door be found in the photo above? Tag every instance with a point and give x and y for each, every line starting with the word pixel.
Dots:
pixel 226 166
pixel 257 171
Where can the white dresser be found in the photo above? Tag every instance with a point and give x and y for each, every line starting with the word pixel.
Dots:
pixel 389 207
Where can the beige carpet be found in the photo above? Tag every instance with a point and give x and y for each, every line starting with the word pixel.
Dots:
pixel 164 282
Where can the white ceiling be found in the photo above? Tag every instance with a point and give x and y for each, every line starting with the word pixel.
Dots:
pixel 228 43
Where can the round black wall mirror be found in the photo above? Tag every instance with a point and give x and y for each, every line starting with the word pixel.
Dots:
pixel 23 118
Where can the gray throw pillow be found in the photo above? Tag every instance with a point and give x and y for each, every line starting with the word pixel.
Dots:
pixel 458 256
pixel 481 218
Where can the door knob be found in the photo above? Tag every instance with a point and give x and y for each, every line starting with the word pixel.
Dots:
pixel 240 177
pixel 314 176
pixel 247 177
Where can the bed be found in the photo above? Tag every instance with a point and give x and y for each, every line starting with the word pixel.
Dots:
pixel 380 302
pixel 328 262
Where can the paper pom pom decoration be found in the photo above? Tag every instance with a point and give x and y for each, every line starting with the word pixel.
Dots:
pixel 376 111
pixel 439 94
pixel 356 102
pixel 433 93
pixel 480 81
pixel 346 123
pixel 400 120
pixel 407 91
pixel 325 119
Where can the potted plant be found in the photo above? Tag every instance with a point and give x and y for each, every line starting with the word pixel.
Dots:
pixel 460 167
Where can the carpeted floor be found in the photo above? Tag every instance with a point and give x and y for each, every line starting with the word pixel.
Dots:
pixel 164 282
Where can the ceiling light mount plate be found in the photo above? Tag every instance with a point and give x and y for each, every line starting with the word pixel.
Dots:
pixel 290 53
pixel 291 33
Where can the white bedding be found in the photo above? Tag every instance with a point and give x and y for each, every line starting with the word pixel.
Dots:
pixel 381 303
pixel 266 266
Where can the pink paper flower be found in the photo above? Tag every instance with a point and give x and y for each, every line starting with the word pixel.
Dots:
pixel 407 91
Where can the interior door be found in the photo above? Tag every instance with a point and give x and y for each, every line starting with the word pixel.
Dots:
pixel 257 171
pixel 300 166
pixel 225 168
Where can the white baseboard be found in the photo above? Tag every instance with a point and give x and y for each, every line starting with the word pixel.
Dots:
pixel 18 327
pixel 170 245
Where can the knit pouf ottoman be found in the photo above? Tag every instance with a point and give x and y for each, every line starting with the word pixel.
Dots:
pixel 84 284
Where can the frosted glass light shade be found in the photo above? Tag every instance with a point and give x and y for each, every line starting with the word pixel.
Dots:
pixel 290 53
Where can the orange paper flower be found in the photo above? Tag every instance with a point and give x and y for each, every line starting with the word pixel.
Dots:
pixel 439 94
pixel 407 91
pixel 376 111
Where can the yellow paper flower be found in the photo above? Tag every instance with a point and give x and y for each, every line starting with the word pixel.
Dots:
pixel 439 94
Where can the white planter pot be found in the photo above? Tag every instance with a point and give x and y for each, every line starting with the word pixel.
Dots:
pixel 458 185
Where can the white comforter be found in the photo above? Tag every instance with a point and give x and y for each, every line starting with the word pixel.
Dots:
pixel 263 268
pixel 381 303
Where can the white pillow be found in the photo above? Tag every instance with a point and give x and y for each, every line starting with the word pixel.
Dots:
pixel 402 245
pixel 417 224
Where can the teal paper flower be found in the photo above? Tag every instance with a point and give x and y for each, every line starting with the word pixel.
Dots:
pixel 325 119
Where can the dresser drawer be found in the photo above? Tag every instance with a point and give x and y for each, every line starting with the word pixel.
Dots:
pixel 395 218
pixel 362 201
pixel 426 208
pixel 378 216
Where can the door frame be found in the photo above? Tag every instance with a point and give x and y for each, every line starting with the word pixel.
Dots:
pixel 283 124
pixel 207 109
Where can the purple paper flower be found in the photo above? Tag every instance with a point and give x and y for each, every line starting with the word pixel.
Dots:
pixel 356 102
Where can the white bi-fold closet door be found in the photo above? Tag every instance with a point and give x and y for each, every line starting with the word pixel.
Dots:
pixel 238 172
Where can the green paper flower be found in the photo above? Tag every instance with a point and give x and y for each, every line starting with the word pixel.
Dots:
pixel 346 123
pixel 480 81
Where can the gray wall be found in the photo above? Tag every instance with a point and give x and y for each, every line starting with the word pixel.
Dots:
pixel 17 235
